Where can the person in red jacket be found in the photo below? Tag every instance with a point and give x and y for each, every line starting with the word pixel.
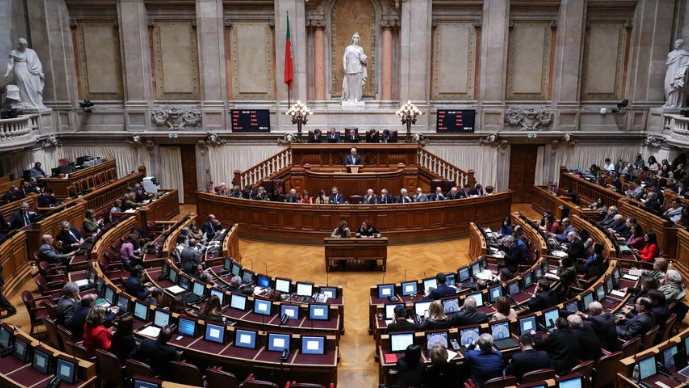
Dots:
pixel 96 336
pixel 651 250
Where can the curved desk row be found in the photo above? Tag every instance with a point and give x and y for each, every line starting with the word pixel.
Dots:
pixel 401 223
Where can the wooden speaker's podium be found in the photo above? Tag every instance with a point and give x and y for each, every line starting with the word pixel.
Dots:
pixel 353 168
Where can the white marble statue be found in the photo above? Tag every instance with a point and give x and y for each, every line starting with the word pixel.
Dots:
pixel 355 74
pixel 677 65
pixel 28 75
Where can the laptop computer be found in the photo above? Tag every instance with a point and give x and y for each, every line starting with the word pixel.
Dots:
pixel 502 336
pixel 680 360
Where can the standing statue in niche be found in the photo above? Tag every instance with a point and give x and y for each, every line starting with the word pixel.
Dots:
pixel 354 63
pixel 28 75
pixel 676 76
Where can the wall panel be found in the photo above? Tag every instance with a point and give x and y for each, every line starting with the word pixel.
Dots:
pixel 454 58
pixel 251 54
pixel 604 59
pixel 528 65
pixel 100 65
pixel 176 60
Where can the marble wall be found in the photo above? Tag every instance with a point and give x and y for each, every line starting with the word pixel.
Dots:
pixel 453 73
pixel 176 60
pixel 252 57
pixel 100 66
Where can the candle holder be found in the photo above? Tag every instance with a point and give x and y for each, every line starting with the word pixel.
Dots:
pixel 300 115
pixel 408 113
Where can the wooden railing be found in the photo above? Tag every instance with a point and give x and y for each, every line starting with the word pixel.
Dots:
pixel 90 178
pixel 230 245
pixel 271 166
pixel 112 236
pixel 589 190
pixel 477 244
pixel 440 167
pixel 103 197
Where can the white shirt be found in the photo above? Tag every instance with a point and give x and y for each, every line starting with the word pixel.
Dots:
pixel 609 167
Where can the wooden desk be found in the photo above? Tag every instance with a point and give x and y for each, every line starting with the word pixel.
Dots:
pixel 477 243
pixel 160 209
pixel 230 244
pixel 106 171
pixel 15 263
pixel 355 249
pixel 102 198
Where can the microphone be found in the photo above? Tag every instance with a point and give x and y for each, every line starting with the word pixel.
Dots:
pixel 252 264
pixel 327 279
pixel 266 264
pixel 405 275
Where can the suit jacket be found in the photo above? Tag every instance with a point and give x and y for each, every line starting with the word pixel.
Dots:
pixel 333 137
pixel 3 223
pixel 352 137
pixel 606 330
pixel 90 226
pixel 2 281
pixel 576 250
pixel 336 199
pixel 609 219
pixel 353 160
pixel 190 258
pixel 134 287
pixel 369 200
pixel 442 291
pixel 449 195
pixel 10 197
pixel 17 219
pixel 543 301
pixel 48 253
pixel 619 228
pixel 402 325
pixel 463 193
pixel 401 199
pixel 65 310
pixel 66 238
pixel 46 201
pixel 433 324
pixel 589 343
pixel 563 349
pixel 315 139
pixel 484 365
pixel 387 199
pixel 466 318
pixel 437 197
pixel 209 230
pixel 637 326
pixel 420 198
pixel 157 355
pixel 527 361
pixel 292 199
pixel 513 257
pixel 78 321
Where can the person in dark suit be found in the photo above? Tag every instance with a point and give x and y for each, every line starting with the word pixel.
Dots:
pixel 370 197
pixel 134 285
pixel 437 195
pixel 292 197
pixel 576 247
pixel 468 314
pixel 352 137
pixel 190 258
pixel 562 346
pixel 278 195
pixel 640 324
pixel 441 373
pixel 336 198
pixel 485 363
pixel 373 136
pixel 46 252
pixel 603 324
pixel 618 225
pixel 13 194
pixel 588 340
pixel 410 369
pixel 659 308
pixel 4 303
pixel 353 158
pixel 528 360
pixel 79 317
pixel 67 305
pixel 442 290
pixel 404 197
pixel 155 298
pixel 47 198
pixel 452 194
pixel 4 225
pixel 464 192
pixel 513 254
pixel 157 353
pixel 27 188
pixel 22 217
pixel 70 237
pixel 211 227
pixel 544 298
pixel 316 136
pixel 333 137
pixel 400 322
pixel 385 198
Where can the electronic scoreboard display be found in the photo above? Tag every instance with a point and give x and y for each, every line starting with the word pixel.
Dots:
pixel 250 120
pixel 455 121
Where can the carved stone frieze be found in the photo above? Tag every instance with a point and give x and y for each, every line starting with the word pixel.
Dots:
pixel 315 23
pixel 50 141
pixel 134 139
pixel 528 119
pixel 175 118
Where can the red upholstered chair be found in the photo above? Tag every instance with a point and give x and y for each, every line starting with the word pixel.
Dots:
pixel 52 272
pixel 72 191
pixel 667 329
pixel 436 183
pixel 650 337
pixel 220 379
pixel 187 374
pixel 81 352
pixel 50 308
pixel 500 382
pixel 630 347
pixel 111 371
pixel 138 368
pixel 605 373
pixel 36 314
pixel 355 199
pixel 63 162
pixel 447 185
pixel 48 288
pixel 586 370
pixel 267 184
pixel 65 335
pixel 538 375
pixel 53 337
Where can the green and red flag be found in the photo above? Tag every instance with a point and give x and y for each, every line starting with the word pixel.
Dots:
pixel 288 58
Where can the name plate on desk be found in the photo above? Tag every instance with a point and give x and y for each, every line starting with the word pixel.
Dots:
pixel 353 168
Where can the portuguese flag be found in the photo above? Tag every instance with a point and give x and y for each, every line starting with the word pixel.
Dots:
pixel 288 58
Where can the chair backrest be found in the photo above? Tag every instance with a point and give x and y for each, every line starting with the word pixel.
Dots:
pixel 53 337
pixel 138 368
pixel 42 283
pixel 305 385
pixel 187 374
pixel 667 329
pixel 110 368
pixel 500 382
pixel 258 384
pixel 606 370
pixel 81 352
pixel 650 337
pixel 220 379
pixel 51 309
pixel 585 369
pixel 538 375
pixel 30 304
pixel 629 348
pixel 65 335
pixel 355 199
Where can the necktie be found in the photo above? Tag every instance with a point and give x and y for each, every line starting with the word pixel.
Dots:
pixel 73 236
pixel 26 218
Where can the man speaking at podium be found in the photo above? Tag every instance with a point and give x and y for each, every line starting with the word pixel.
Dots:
pixel 353 159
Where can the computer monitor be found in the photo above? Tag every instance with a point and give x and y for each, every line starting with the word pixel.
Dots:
pixel 571 383
pixel 479 298
pixel 263 307
pixel 600 293
pixel 282 285
pixel 245 339
pixel 390 310
pixel 41 361
pixel 537 273
pixel 228 264
pixel 330 292
pixel 5 337
pixel 291 311
pixel 278 342
pixel 668 354
pixel 399 342
pixel 199 289
pixel 617 274
pixel 219 294
pixel 468 336
pixel 647 367
pixel 66 371
pixel 588 298
pixel 451 305
pixel 513 288
pixel 319 312
pixel 686 345
pixel 476 269
pixel 420 308
pixel 500 330
pixel 304 289
pixel 186 327
pixel 464 274
pixel 495 293
pixel 236 269
pixel 313 345
pixel 609 285
pixel 527 278
pixel 484 263
pixel 161 318
pixel 247 277
pixel 386 290
pixel 174 275
pixel 409 288
pixel 123 303
pixel 544 266
pixel 215 333
pixel 21 350
pixel 142 382
pixel 238 302
pixel 141 311
pixel 436 338
pixel 429 283
pixel 550 317
pixel 572 306
pixel 263 281
pixel 451 279
pixel 526 325
pixel 184 282
pixel 109 294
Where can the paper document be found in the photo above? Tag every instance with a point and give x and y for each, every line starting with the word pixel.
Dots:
pixel 450 355
pixel 618 293
pixel 150 331
pixel 630 277
pixel 636 272
pixel 551 276
pixel 176 289
pixel 82 282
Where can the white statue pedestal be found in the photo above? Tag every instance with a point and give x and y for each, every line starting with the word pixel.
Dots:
pixel 351 105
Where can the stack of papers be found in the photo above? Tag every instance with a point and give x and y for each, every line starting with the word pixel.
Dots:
pixel 630 277
pixel 150 331
pixel 450 355
pixel 176 290
pixel 618 293
pixel 82 282
pixel 560 254
pixel 551 276
pixel 636 272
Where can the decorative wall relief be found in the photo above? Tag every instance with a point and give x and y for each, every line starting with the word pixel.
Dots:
pixel 176 119
pixel 528 119
pixel 176 61
pixel 528 64
pixel 99 61
pixel 252 57
pixel 454 61
pixel 604 60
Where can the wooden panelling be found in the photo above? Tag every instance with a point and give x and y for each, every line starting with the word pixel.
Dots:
pixel 103 198
pixel 60 186
pixel 163 208
pixel 522 172
pixel 230 245
pixel 15 262
pixel 112 236
pixel 53 224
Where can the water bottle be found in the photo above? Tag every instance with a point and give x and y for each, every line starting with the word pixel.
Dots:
pixel 635 375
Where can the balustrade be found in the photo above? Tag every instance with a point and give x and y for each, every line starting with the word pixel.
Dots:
pixel 444 169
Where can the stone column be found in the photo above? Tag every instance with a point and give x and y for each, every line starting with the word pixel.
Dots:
pixel 297 22
pixel 494 43
pixel 136 61
pixel 415 55
pixel 213 75
pixel 51 38
pixel 386 92
pixel 319 58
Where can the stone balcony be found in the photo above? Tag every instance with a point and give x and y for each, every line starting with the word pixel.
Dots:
pixel 676 130
pixel 20 132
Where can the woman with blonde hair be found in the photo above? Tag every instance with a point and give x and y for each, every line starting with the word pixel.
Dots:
pixel 436 318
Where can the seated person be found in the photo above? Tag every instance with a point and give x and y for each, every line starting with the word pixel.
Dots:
pixel 322 198
pixel 609 217
pixel 130 201
pixel 603 324
pixel 436 318
pixel 441 373
pixel 366 229
pixel 333 136
pixel 420 196
pixel 155 298
pixel 566 228
pixel 544 297
pixel 70 238
pixel 157 353
pixel 316 136
pixel 652 202
pixel 562 346
pixel 292 197
pixel 306 198
pixel 528 360
pixel 261 195
pixel 352 137
pixel 13 194
pixel 385 198
pixel 442 290
pixel 452 194
pixel 370 198
pixel 672 287
pixel 594 265
pixel 651 249
pixel 513 254
pixel 640 324
pixel 404 197
pixel 372 136
pixel 675 210
pixel 36 171
pixel 136 284
pixel 342 230
pixel 46 252
pixel 503 309
pixel 336 198
pixel 129 258
pixel 636 240
pixel 278 195
pixel 235 192
pixel 22 217
pixel 590 346
pixel 468 315
pixel 618 225
pixel 484 363
pixel 437 195
pixel 464 192
pixel 47 198
pixel 96 335
pixel 211 227
pixel 387 137
pixel 410 368
pixel 400 322
pixel 212 311
pixel 91 223
pixel 506 227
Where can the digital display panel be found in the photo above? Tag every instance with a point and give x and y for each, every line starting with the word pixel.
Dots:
pixel 250 120
pixel 455 121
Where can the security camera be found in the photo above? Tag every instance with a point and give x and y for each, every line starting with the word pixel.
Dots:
pixel 86 105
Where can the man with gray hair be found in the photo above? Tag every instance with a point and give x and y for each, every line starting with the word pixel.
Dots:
pixel 618 225
pixel 420 196
pixel 640 324
pixel 566 228
pixel 468 314
pixel 576 247
pixel 404 197
pixel 513 255
pixel 609 217
pixel 46 252
pixel 353 159
pixel 603 324
pixel 292 197
pixel 588 341
pixel 235 284
pixel 672 286
pixel 22 217
pixel 562 346
pixel 385 198
pixel 70 237
pixel 453 194
pixel 67 305
pixel 485 363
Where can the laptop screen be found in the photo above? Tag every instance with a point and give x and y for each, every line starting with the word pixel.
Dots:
pixel 647 367
pixel 291 311
pixel 161 319
pixel 199 289
pixel 668 354
pixel 66 371
pixel 304 289
pixel 123 303
pixel 330 292
pixel 263 281
pixel 4 338
pixel 173 275
pixel 550 317
pixel 215 333
pixel 514 288
pixel 399 342
pixel 313 345
pixel 246 339
pixel 41 362
pixel 390 310
pixel 145 384
pixel 238 302
pixel 228 263
pixel 450 280
pixel 588 298
pixel 420 308
pixel 429 283
pixel 479 298
pixel 219 294
pixel 141 311
pixel 21 350
pixel 184 282
pixel 572 306
pixel 186 327
pixel 451 305
pixel 436 338
pixel 528 280
pixel 526 325
pixel 600 293
pixel 467 336
pixel 409 289
pixel 247 277
pixel 571 383
pixel 109 294
pixel 236 269
pixel 476 269
pixel 463 274
pixel 500 330
pixel 319 312
pixel 278 342
pixel 262 307
pixel 495 293
pixel 609 285
pixel 386 290
pixel 282 285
